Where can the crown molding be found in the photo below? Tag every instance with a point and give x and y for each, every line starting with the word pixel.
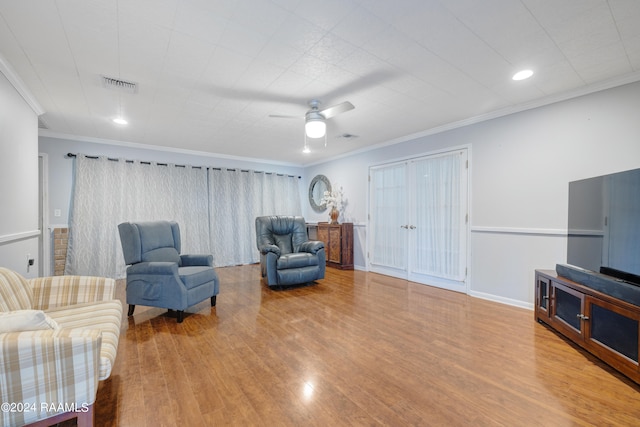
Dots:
pixel 18 84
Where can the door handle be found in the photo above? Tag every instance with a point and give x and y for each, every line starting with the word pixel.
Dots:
pixel 413 227
pixel 404 226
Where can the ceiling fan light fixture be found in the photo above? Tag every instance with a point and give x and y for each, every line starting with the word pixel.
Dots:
pixel 315 127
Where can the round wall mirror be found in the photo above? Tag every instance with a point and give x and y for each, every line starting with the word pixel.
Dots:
pixel 319 184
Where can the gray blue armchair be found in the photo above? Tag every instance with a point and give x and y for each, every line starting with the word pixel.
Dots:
pixel 287 256
pixel 158 275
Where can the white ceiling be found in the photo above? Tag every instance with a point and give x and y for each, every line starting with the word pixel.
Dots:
pixel 210 73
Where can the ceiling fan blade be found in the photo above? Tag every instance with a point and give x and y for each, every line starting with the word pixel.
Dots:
pixel 336 109
pixel 280 116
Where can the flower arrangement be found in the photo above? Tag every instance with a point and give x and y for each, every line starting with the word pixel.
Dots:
pixel 334 201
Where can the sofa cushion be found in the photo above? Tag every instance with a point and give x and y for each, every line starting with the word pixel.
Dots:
pixel 162 255
pixel 105 316
pixel 156 234
pixel 25 320
pixel 196 275
pixel 15 292
pixel 296 260
pixel 283 241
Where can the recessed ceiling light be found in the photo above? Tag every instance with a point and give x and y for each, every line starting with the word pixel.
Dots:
pixel 306 149
pixel 120 121
pixel 522 75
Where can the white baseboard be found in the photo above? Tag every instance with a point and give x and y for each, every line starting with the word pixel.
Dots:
pixel 502 300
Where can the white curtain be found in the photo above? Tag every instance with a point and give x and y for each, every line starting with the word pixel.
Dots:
pixel 215 209
pixel 389 213
pixel 108 192
pixel 438 216
pixel 418 224
pixel 236 198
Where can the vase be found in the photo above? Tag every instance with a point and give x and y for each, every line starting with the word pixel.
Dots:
pixel 334 215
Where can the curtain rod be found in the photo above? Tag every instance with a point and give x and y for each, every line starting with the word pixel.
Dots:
pixel 73 155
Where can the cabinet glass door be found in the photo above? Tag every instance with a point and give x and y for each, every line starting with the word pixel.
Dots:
pixel 542 295
pixel 568 307
pixel 614 328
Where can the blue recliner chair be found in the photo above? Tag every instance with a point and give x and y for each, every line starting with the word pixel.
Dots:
pixel 158 276
pixel 287 256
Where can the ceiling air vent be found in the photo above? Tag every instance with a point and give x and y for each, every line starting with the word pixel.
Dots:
pixel 347 136
pixel 119 84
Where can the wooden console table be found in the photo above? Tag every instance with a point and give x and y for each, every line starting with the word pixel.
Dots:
pixel 604 325
pixel 338 243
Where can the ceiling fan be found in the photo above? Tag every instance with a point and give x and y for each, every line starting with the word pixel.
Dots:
pixel 315 119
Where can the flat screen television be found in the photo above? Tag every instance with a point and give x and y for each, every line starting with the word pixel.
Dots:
pixel 604 225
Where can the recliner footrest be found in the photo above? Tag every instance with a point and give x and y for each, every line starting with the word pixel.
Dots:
pixel 296 260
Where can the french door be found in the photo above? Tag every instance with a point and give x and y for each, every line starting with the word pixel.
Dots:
pixel 418 219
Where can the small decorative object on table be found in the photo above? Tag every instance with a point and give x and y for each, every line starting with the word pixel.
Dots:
pixel 333 200
pixel 334 214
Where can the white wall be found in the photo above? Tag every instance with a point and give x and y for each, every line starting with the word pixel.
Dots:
pixel 19 227
pixel 521 165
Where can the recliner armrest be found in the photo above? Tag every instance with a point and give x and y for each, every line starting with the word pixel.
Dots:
pixel 265 249
pixel 312 246
pixel 189 260
pixel 154 267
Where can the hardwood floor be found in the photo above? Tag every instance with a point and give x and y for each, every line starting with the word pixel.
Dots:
pixel 355 349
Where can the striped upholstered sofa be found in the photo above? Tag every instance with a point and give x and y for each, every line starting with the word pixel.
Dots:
pixel 58 339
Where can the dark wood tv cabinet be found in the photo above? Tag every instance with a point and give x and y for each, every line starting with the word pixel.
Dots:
pixel 605 326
